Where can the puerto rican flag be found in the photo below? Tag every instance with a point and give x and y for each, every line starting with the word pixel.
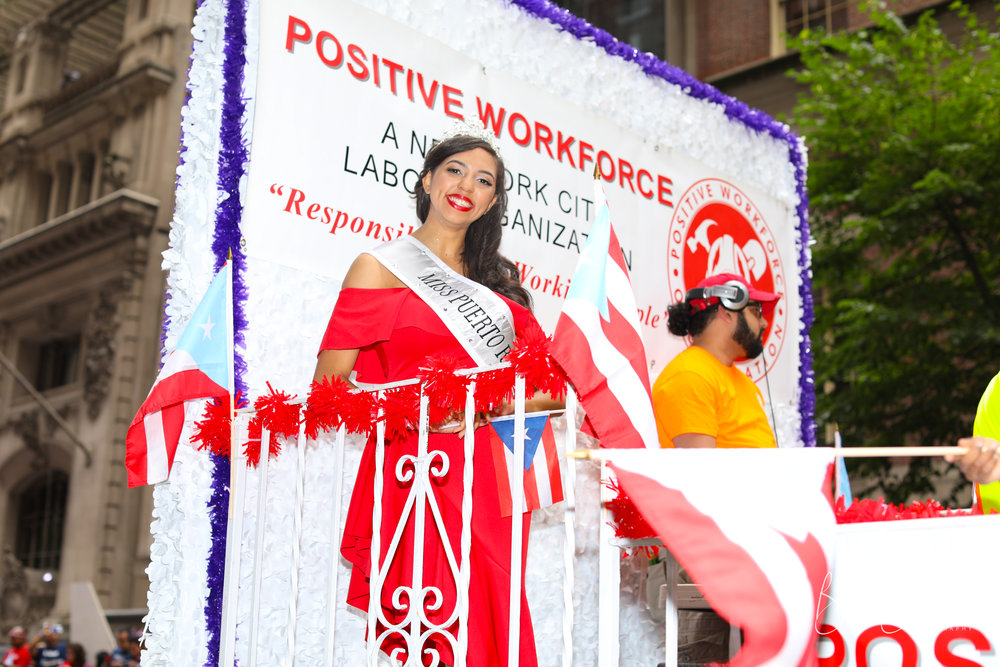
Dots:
pixel 542 481
pixel 198 367
pixel 598 341
pixel 753 528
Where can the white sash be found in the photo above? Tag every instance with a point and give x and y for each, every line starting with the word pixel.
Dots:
pixel 475 315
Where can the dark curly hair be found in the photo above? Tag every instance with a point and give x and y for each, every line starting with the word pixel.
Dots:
pixel 481 256
pixel 682 320
pixel 79 654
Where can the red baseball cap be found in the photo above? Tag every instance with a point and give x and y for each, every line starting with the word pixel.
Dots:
pixel 767 299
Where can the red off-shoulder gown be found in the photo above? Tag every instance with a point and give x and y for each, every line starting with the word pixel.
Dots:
pixel 395 331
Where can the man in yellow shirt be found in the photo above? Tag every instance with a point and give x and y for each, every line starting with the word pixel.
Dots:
pixel 981 462
pixel 701 399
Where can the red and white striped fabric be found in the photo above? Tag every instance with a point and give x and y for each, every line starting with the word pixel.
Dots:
pixel 152 438
pixel 598 341
pixel 200 366
pixel 754 529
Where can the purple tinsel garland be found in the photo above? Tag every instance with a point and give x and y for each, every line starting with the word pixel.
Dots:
pixel 753 119
pixel 233 158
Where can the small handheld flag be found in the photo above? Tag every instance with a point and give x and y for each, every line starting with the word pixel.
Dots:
pixel 842 483
pixel 542 480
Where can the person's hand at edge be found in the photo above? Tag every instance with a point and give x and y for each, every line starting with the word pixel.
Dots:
pixel 981 461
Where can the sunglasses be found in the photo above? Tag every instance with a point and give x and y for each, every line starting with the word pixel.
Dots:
pixel 755 307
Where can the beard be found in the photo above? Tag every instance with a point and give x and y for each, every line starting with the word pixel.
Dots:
pixel 752 344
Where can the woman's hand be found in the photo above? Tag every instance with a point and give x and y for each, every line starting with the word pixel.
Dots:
pixel 504 409
pixel 981 461
pixel 456 424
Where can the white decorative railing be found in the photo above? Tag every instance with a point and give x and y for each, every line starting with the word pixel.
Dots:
pixel 422 511
pixel 416 626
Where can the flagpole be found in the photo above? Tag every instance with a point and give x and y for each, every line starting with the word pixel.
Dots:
pixel 230 586
pixel 609 580
pixel 569 545
pixel 516 527
pixel 846 452
pixel 876 452
pixel 230 373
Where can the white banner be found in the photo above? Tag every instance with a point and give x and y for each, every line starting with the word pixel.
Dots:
pixel 909 593
pixel 348 102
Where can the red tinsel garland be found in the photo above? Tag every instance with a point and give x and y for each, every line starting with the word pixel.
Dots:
pixel 320 411
pixel 251 448
pixel 445 390
pixel 214 430
pixel 276 413
pixel 400 409
pixel 530 358
pixel 359 412
pixel 494 389
pixel 865 510
pixel 324 408
pixel 629 524
pixel 334 403
pixel 626 520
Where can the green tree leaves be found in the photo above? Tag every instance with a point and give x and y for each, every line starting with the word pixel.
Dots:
pixel 902 123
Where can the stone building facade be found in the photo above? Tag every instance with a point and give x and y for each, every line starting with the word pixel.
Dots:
pixel 90 100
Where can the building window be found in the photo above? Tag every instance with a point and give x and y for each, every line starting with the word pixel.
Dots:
pixel 43 195
pixel 58 362
pixel 40 516
pixel 51 363
pixel 818 15
pixel 86 166
pixel 20 74
pixel 64 183
pixel 641 23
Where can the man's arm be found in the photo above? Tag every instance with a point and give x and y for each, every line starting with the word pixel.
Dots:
pixel 695 440
pixel 981 462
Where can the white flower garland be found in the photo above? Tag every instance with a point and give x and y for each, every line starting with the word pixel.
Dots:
pixel 507 38
pixel 175 629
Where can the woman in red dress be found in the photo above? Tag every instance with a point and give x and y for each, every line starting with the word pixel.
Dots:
pixel 383 327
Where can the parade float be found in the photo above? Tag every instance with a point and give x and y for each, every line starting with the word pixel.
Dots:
pixel 303 133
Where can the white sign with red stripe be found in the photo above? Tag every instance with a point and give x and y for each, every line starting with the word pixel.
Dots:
pixel 910 593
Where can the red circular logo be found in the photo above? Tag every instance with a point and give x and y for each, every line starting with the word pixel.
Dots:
pixel 716 228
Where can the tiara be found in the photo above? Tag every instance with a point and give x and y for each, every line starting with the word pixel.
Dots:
pixel 464 128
